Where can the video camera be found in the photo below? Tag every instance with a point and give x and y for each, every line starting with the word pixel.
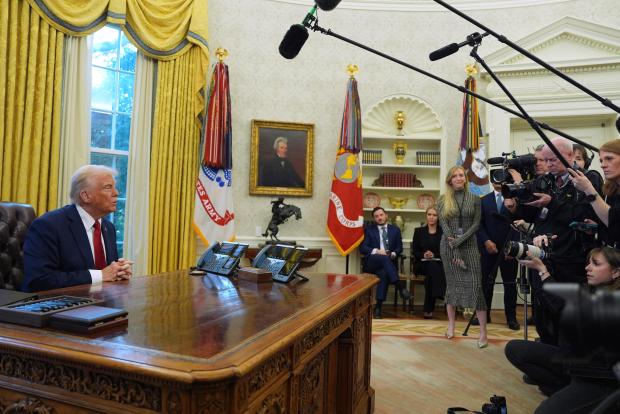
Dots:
pixel 525 165
pixel 496 406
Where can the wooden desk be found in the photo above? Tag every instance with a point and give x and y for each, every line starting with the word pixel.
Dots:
pixel 202 345
pixel 310 259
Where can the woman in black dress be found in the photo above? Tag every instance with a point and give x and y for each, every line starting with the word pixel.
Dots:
pixel 425 249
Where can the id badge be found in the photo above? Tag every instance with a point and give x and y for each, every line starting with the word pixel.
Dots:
pixel 459 232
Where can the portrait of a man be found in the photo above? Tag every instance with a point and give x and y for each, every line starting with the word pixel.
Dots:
pixel 279 170
pixel 281 158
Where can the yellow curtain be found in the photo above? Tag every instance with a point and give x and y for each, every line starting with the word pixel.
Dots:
pixel 30 100
pixel 174 165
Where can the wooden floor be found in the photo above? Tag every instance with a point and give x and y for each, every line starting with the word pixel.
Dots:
pixel 389 310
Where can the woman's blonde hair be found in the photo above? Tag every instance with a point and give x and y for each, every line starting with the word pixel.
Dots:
pixel 611 187
pixel 449 202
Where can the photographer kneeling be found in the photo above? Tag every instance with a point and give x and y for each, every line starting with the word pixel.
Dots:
pixel 571 387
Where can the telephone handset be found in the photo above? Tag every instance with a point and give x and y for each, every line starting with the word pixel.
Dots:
pixel 281 260
pixel 220 258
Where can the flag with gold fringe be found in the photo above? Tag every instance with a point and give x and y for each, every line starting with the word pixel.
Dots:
pixel 345 217
pixel 472 151
pixel 214 217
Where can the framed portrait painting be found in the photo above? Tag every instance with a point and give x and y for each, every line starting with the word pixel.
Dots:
pixel 281 158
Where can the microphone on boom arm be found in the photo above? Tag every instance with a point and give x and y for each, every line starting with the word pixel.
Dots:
pixel 472 39
pixel 297 34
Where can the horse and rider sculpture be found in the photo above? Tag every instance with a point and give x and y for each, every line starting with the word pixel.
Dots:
pixel 280 213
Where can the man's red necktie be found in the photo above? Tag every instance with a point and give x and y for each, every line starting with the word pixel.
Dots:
pixel 98 246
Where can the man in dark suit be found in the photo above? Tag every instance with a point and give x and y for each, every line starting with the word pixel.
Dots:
pixel 492 235
pixel 279 171
pixel 75 245
pixel 381 247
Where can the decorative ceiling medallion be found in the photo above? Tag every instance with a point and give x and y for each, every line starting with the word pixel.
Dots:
pixel 429 5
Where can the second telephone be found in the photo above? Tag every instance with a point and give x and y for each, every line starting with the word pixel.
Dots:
pixel 281 260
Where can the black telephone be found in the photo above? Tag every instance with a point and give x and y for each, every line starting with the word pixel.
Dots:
pixel 281 260
pixel 221 259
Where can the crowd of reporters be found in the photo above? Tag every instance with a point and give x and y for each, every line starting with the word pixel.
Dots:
pixel 581 254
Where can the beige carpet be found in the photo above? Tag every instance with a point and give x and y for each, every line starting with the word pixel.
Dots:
pixel 415 369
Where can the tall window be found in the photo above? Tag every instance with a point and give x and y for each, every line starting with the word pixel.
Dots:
pixel 113 73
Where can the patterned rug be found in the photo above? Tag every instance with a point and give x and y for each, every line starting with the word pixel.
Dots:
pixel 437 328
pixel 415 369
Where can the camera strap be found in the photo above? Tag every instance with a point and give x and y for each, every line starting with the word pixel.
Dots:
pixel 460 206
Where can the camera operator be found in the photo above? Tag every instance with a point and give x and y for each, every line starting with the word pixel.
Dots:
pixel 572 387
pixel 553 214
pixel 608 208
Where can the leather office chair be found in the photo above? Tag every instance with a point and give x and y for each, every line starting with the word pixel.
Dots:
pixel 14 222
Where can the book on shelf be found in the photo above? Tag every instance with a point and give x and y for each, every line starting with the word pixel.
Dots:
pixel 371 156
pixel 427 158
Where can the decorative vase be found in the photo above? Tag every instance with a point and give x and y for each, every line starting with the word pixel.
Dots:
pixel 400 150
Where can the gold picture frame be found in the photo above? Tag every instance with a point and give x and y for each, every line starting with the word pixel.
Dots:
pixel 281 158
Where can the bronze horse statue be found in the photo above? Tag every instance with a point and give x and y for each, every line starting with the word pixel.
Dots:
pixel 280 213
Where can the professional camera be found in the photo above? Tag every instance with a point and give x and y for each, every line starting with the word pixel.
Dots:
pixel 496 406
pixel 589 320
pixel 519 251
pixel 523 164
pixel 524 191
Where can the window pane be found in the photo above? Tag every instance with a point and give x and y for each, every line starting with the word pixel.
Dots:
pixel 102 159
pixel 100 130
pixel 121 178
pixel 128 55
pixel 123 123
pixel 105 47
pixel 119 223
pixel 125 93
pixel 104 85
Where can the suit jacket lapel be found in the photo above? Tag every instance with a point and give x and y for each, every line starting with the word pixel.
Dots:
pixel 79 235
pixel 107 240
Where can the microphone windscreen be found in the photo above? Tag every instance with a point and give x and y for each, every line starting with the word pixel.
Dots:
pixel 443 52
pixel 327 5
pixel 293 41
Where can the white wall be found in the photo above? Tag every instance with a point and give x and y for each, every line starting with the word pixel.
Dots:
pixel 311 88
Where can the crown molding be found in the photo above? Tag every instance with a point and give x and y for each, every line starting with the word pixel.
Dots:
pixel 429 5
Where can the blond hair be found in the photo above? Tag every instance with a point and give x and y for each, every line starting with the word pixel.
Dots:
pixel 449 202
pixel 82 176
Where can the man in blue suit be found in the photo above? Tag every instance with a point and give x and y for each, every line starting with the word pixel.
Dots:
pixel 491 235
pixel 75 245
pixel 381 247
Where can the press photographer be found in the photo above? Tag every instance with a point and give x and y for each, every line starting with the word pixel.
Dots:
pixel 573 385
pixel 607 206
pixel 553 210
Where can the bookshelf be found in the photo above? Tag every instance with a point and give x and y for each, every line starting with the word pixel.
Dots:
pixel 391 180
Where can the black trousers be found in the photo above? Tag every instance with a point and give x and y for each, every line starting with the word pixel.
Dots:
pixel 383 267
pixel 535 360
pixel 581 396
pixel 508 270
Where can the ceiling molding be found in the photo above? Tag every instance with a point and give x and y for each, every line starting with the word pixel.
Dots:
pixel 429 5
pixel 568 42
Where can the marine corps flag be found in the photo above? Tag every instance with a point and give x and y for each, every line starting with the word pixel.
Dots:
pixel 214 219
pixel 345 217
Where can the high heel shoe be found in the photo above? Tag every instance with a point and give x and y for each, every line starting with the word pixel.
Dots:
pixel 448 336
pixel 482 345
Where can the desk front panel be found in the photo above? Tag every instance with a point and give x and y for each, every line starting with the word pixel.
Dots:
pixel 202 344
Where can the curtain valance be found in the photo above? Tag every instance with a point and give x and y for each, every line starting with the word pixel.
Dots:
pixel 161 29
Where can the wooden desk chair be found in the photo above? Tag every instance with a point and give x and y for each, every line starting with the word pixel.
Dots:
pixel 414 279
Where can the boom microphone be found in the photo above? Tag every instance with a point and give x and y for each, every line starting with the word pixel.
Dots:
pixel 501 217
pixel 327 5
pixel 293 41
pixel 618 124
pixel 472 39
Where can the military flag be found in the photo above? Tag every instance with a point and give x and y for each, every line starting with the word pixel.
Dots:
pixel 345 217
